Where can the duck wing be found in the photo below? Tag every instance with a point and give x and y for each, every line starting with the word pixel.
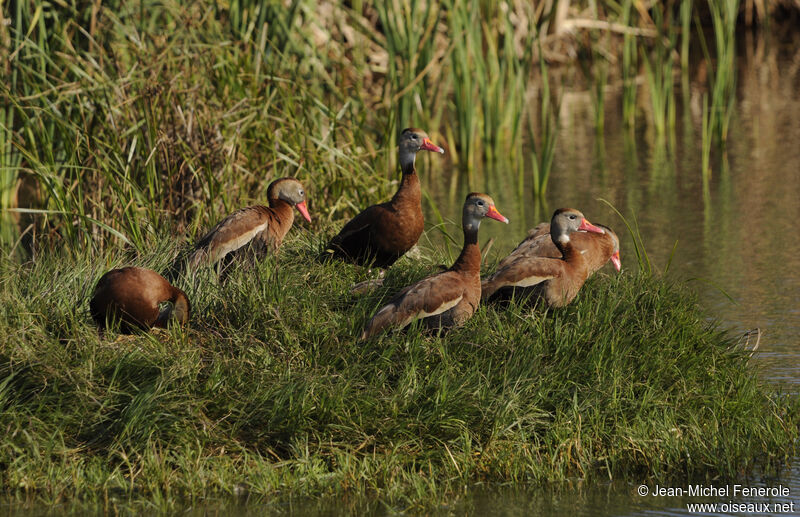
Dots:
pixel 428 297
pixel 230 234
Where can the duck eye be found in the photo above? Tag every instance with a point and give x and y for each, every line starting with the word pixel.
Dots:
pixel 572 216
pixel 480 203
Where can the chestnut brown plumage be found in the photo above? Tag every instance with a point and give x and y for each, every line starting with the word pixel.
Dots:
pixel 597 248
pixel 531 269
pixel 382 233
pixel 262 228
pixel 449 298
pixel 132 295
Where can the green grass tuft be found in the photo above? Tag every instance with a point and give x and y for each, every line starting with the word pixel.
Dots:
pixel 268 392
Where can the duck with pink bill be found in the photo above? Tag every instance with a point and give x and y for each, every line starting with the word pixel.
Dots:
pixel 598 248
pixel 556 280
pixel 261 228
pixel 449 298
pixel 381 234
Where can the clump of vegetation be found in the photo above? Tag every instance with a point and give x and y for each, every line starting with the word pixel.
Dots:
pixel 268 392
pixel 120 118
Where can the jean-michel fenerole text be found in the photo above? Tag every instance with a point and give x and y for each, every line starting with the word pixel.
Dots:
pixel 720 491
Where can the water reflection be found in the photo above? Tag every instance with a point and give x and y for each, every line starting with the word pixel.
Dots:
pixel 575 498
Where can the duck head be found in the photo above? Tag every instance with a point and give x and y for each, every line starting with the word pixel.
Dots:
pixel 568 220
pixel 291 191
pixel 411 142
pixel 476 207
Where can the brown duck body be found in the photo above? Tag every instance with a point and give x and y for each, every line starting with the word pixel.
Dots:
pixel 556 274
pixel 446 299
pixel 443 300
pixel 597 248
pixel 383 233
pixel 132 296
pixel 262 228
pixel 258 229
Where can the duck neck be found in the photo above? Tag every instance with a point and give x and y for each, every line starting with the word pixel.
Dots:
pixel 469 261
pixel 283 211
pixel 564 245
pixel 409 190
pixel 407 159
pixel 178 308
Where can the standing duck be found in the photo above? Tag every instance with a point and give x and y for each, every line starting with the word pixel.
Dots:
pixel 132 295
pixel 557 280
pixel 449 298
pixel 262 227
pixel 382 233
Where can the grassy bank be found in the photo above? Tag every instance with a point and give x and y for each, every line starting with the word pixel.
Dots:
pixel 268 393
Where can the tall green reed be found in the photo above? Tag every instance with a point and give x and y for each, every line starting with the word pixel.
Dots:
pixel 465 26
pixel 264 20
pixel 629 68
pixel 408 33
pixel 10 159
pixel 508 43
pixel 33 138
pixel 183 131
pixel 686 32
pixel 138 125
pixel 490 64
pixel 547 129
pixel 101 148
pixel 718 105
pixel 9 174
pixel 722 76
pixel 707 140
pixel 658 65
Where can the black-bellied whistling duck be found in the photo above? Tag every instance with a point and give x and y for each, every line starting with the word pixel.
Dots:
pixel 132 295
pixel 557 280
pixel 262 227
pixel 382 233
pixel 449 298
pixel 597 248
